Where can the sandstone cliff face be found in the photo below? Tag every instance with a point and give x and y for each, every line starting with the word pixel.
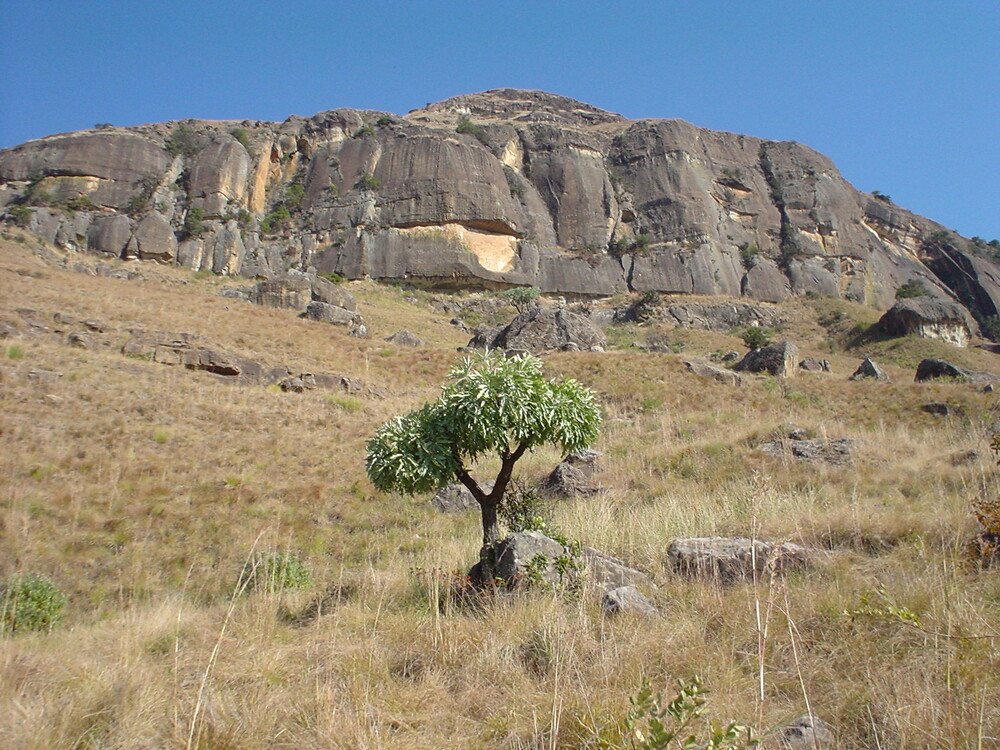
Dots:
pixel 501 188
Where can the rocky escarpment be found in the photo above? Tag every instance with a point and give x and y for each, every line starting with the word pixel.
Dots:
pixel 494 189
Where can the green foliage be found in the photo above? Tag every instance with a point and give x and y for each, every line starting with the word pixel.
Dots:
pixel 349 404
pixel 30 602
pixel 242 135
pixel 294 194
pixel 138 202
pixel 333 278
pixel 365 131
pixel 522 509
pixel 194 222
pixel 991 327
pixel 182 142
pixel 384 121
pixel 645 307
pixel 36 195
pixel 20 215
pixel 489 405
pixel 754 337
pixel 368 181
pixel 81 203
pixel 878 606
pixel 468 127
pixel 748 254
pixel 521 297
pixel 15 352
pixel 274 572
pixel 276 219
pixel 911 289
pixel 879 196
pixel 621 247
pixel 652 725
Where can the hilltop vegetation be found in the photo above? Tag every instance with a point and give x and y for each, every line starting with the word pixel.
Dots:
pixel 143 490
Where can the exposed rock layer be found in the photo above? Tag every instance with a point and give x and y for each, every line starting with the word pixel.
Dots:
pixel 540 190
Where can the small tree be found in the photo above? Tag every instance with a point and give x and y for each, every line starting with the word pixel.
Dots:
pixel 489 406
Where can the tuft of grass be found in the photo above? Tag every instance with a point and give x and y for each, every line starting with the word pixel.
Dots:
pixel 15 352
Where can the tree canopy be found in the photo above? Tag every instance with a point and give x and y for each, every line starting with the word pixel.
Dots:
pixel 490 405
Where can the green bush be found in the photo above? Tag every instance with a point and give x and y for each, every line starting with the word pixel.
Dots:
pixel 275 220
pixel 644 309
pixel 521 296
pixel 522 509
pixel 15 352
pixel 748 254
pixel 294 194
pixel 383 121
pixel 194 222
pixel 242 135
pixel 274 572
pixel 365 131
pixel 20 215
pixel 36 195
pixel 182 142
pixel 81 203
pixel 333 278
pixel 30 602
pixel 368 181
pixel 755 337
pixel 991 327
pixel 468 127
pixel 911 289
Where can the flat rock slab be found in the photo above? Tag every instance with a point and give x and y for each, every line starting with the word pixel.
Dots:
pixel 934 369
pixel 728 559
pixel 836 451
pixel 626 600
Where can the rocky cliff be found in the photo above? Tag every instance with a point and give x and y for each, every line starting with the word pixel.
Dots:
pixel 501 188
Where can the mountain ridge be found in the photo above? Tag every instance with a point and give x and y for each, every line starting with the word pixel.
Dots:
pixel 498 188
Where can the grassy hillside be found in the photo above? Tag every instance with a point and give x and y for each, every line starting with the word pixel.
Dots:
pixel 141 489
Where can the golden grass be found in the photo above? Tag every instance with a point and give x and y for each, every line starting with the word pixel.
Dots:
pixel 141 488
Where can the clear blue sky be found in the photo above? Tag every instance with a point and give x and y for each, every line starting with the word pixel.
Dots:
pixel 903 96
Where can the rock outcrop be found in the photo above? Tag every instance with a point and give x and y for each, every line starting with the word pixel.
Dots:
pixel 870 370
pixel 779 359
pixel 928 318
pixel 732 559
pixel 542 329
pixel 934 369
pixel 714 372
pixel 541 191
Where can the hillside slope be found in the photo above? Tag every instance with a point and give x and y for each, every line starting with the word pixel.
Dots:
pixel 141 487
pixel 501 188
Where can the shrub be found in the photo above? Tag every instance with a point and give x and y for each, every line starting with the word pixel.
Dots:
pixel 368 181
pixel 911 289
pixel 20 215
pixel 275 572
pixel 755 337
pixel 991 327
pixel 644 308
pixel 194 222
pixel 30 602
pixel 333 278
pixel 294 194
pixel 182 142
pixel 521 297
pixel 242 135
pixel 36 195
pixel 879 196
pixel 383 122
pixel 103 126
pixel 15 352
pixel 522 509
pixel 468 127
pixel 748 254
pixel 365 131
pixel 81 203
pixel 275 220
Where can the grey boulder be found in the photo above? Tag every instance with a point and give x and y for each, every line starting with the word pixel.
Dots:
pixel 731 559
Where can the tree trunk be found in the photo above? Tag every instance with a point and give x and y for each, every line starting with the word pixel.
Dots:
pixel 491 526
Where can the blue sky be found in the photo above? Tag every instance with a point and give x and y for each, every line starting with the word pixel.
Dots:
pixel 903 96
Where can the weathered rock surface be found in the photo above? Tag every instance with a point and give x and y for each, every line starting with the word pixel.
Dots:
pixel 455 498
pixel 540 330
pixel 605 571
pixel 811 364
pixel 732 559
pixel 933 369
pixel 939 409
pixel 707 370
pixel 626 600
pixel 552 193
pixel 805 733
pixel 572 476
pixel 869 370
pixel 836 451
pixel 404 338
pixel 779 359
pixel 523 554
pixel 929 318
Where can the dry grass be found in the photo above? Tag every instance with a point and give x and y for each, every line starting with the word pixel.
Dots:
pixel 141 489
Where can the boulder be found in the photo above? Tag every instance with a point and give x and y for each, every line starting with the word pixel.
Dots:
pixel 941 410
pixel 806 733
pixel 706 370
pixel 626 600
pixel 869 370
pixel 456 498
pixel 779 359
pixel 109 234
pixel 810 364
pixel 933 369
pixel 404 338
pixel 80 340
pixel 288 291
pixel 607 572
pixel 798 445
pixel 928 317
pixel 572 476
pixel 326 313
pixel 326 291
pixel 731 559
pixel 153 240
pixel 521 556
pixel 541 330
